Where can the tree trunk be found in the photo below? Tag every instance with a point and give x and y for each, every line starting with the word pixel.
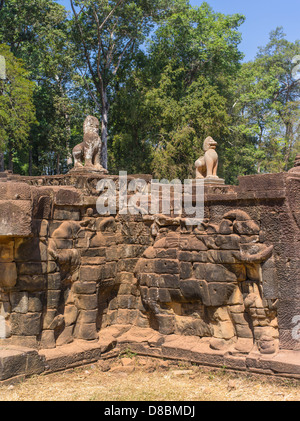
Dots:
pixel 1 162
pixel 58 164
pixel 104 130
pixel 30 163
pixel 10 158
pixel 289 142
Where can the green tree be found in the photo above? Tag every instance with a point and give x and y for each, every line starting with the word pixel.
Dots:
pixel 267 103
pixel 38 32
pixel 109 34
pixel 181 90
pixel 17 111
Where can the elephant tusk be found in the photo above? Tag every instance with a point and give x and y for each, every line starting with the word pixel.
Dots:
pixel 258 257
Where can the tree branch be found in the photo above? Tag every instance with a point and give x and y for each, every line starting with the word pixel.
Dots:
pixel 1 4
pixel 90 92
pixel 84 44
pixel 110 14
pixel 121 56
pixel 100 48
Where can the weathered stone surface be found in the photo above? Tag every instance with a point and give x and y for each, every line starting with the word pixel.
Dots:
pixel 32 283
pixel 214 273
pixel 54 281
pixel 12 363
pixel 48 339
pixel 86 331
pixel 70 314
pixel 32 250
pixel 26 324
pixel 64 214
pixel 66 336
pixel 75 272
pixel 84 287
pixel 7 251
pixel 90 273
pixel 15 191
pixel 15 218
pixel 186 270
pixel 35 302
pixel 219 293
pixel 19 302
pixel 8 275
pixel 86 302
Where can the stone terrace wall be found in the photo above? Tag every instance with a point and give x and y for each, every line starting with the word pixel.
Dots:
pixel 67 273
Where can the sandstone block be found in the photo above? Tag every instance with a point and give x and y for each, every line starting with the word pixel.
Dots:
pixel 53 297
pixel 66 336
pixel 225 227
pixel 70 314
pixel 15 219
pixel 54 281
pixel 219 293
pixel 224 330
pixel 32 283
pixel 166 253
pixel 214 273
pixel 30 250
pixel 26 324
pixel 166 266
pixel 176 295
pixel 127 265
pixel 86 302
pixel 150 280
pixel 109 270
pixel 84 287
pixel 12 363
pixel 164 295
pixel 7 251
pixel 186 270
pixel 8 275
pixel 166 324
pixel 48 339
pixel 19 302
pixel 87 316
pixel 65 214
pixel 90 273
pixel 228 242
pixel 67 197
pixel 194 290
pixel 36 301
pixel 191 243
pixel 126 301
pixel 193 256
pixel 125 277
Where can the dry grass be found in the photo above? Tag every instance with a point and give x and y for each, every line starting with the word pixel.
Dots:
pixel 165 383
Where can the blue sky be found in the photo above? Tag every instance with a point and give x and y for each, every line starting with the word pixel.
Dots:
pixel 262 16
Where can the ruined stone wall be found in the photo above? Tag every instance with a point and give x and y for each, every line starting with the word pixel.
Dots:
pixel 67 273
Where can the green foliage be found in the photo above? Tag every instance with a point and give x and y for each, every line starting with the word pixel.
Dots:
pixel 181 88
pixel 17 112
pixel 38 33
pixel 161 75
pixel 267 105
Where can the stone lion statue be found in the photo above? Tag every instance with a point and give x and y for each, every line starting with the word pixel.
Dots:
pixel 89 151
pixel 207 165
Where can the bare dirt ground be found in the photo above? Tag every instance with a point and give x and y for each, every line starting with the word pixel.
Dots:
pixel 143 379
